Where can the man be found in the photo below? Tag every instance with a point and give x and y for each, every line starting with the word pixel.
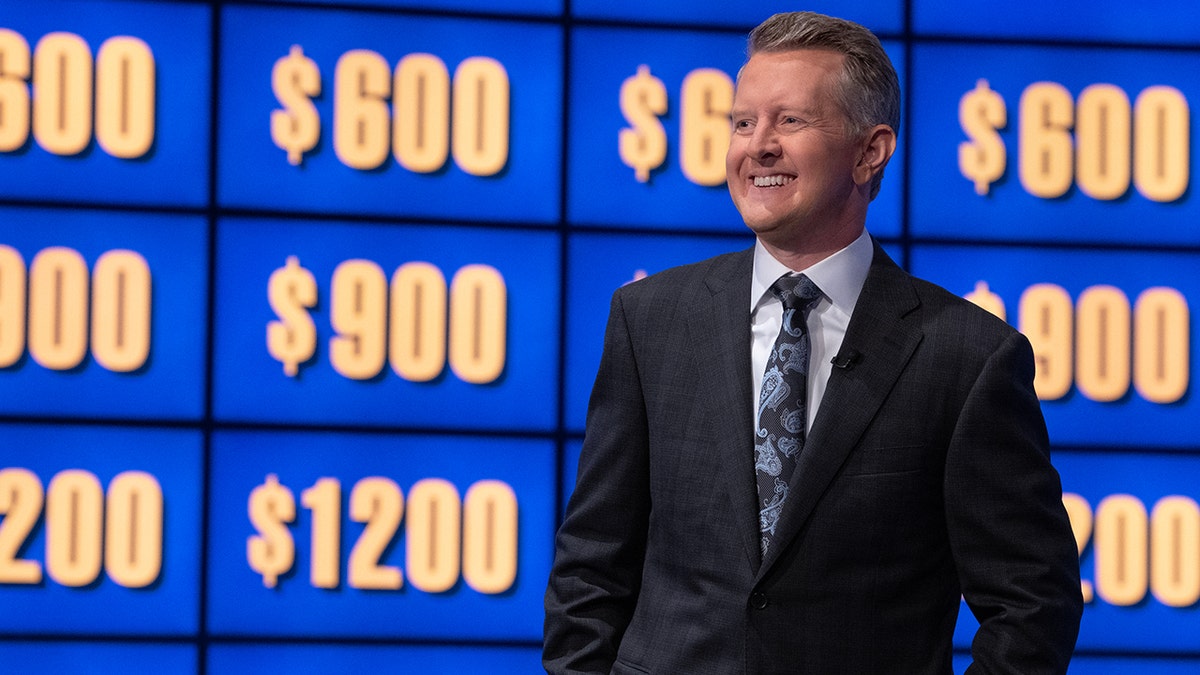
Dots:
pixel 828 524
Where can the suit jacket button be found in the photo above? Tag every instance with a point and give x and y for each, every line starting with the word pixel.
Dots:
pixel 758 600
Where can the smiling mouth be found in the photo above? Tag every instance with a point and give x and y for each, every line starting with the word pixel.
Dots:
pixel 772 181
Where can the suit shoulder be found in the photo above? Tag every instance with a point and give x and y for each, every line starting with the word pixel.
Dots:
pixel 954 309
pixel 684 276
pixel 964 337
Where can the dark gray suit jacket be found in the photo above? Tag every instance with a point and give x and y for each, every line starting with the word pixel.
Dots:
pixel 925 475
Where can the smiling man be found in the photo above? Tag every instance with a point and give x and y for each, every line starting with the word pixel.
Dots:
pixel 798 457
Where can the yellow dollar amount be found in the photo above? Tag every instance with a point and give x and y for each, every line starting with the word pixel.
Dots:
pixel 1136 552
pixel 707 97
pixel 87 530
pixel 112 98
pixel 446 536
pixel 416 323
pixel 433 116
pixel 58 309
pixel 1100 142
pixel 1100 343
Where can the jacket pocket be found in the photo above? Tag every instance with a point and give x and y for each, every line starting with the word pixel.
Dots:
pixel 887 460
pixel 622 668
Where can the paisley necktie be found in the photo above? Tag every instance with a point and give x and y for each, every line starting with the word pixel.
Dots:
pixel 782 413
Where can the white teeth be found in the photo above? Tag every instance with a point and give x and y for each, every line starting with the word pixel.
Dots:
pixel 772 181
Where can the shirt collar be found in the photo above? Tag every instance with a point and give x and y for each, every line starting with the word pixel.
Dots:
pixel 840 276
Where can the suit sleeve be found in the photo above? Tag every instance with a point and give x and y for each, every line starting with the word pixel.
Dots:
pixel 600 547
pixel 1011 539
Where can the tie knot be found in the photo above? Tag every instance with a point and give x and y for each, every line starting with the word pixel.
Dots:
pixel 796 292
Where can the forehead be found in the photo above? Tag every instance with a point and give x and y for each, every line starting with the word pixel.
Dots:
pixel 795 74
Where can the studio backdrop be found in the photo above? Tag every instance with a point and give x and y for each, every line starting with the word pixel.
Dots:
pixel 301 302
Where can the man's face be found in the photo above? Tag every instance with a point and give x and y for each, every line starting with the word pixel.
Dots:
pixel 790 165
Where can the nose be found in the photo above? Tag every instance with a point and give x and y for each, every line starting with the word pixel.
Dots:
pixel 764 142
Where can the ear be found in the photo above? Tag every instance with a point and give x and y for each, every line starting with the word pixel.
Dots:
pixel 877 147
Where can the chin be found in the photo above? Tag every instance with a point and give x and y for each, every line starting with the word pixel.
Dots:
pixel 767 231
pixel 763 223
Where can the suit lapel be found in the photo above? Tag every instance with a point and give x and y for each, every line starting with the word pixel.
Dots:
pixel 885 332
pixel 721 326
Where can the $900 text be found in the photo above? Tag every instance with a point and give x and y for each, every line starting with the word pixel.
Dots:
pixel 410 331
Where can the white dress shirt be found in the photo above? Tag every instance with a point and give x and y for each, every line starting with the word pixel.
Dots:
pixel 840 278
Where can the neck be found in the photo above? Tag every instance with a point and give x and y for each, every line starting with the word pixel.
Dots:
pixel 799 256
